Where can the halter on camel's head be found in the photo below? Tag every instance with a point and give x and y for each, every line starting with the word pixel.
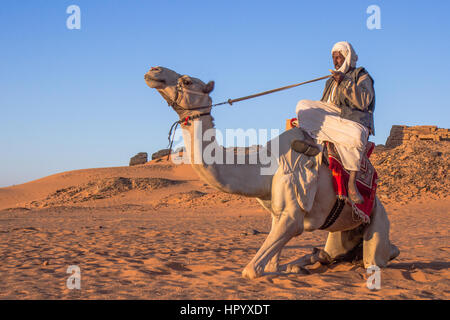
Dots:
pixel 186 95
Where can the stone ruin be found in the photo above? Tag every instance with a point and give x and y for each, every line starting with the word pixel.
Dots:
pixel 140 158
pixel 402 134
pixel 161 153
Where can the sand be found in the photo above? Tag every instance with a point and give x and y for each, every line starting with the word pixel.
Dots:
pixel 155 231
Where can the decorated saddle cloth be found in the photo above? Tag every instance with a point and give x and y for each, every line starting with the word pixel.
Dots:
pixel 366 180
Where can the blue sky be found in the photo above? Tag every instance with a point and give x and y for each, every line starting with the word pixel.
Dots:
pixel 73 99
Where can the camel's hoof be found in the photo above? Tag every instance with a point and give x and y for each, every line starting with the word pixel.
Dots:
pixel 250 273
pixel 394 252
pixel 321 256
pixel 295 268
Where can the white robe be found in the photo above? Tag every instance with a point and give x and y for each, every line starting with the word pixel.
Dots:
pixel 323 122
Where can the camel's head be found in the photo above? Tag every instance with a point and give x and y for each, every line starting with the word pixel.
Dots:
pixel 185 94
pixel 160 77
pixel 193 93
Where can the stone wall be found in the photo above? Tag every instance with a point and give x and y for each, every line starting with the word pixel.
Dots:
pixel 402 134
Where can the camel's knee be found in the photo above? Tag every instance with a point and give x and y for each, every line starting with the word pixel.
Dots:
pixel 292 226
pixel 378 251
pixel 289 221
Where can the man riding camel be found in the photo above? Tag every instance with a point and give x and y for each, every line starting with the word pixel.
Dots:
pixel 344 115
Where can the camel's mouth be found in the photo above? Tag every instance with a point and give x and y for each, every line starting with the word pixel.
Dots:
pixel 154 82
pixel 149 78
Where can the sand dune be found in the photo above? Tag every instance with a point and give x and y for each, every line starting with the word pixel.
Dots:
pixel 155 231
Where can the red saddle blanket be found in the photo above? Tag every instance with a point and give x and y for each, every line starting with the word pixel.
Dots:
pixel 366 180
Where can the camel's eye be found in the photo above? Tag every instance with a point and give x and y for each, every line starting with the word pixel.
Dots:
pixel 186 82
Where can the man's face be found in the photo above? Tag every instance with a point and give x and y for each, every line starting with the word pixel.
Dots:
pixel 338 59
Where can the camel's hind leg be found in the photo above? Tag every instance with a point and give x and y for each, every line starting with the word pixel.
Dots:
pixel 377 248
pixel 341 243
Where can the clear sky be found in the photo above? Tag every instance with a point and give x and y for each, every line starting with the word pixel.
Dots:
pixel 73 99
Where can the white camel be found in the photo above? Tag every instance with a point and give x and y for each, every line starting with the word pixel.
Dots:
pixel 189 97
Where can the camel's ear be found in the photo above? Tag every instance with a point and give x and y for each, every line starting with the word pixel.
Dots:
pixel 209 87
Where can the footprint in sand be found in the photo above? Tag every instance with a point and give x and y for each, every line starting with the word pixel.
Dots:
pixel 157 266
pixel 26 229
pixel 418 276
pixel 177 266
pixel 343 267
pixel 413 275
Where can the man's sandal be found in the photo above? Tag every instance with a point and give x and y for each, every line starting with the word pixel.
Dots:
pixel 305 148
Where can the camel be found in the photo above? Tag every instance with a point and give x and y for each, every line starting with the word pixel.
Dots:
pixel 189 97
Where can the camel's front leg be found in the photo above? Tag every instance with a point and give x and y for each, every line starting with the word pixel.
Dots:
pixel 287 222
pixel 287 225
pixel 272 265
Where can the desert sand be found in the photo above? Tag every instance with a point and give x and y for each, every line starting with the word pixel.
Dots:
pixel 156 231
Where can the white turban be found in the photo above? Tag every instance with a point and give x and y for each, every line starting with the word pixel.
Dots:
pixel 348 53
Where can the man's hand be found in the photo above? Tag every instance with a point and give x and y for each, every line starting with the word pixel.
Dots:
pixel 337 76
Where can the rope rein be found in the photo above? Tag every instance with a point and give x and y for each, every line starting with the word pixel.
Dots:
pixel 173 103
pixel 175 125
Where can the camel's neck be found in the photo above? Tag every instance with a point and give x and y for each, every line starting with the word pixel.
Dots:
pixel 220 167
